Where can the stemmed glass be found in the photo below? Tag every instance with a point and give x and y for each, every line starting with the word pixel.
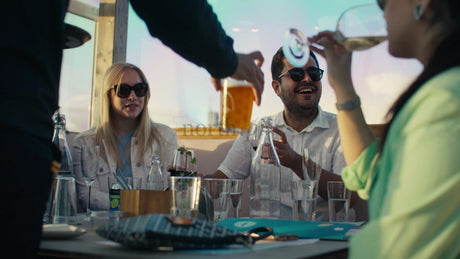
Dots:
pixel 358 28
pixel 254 135
pixel 236 195
pixel 191 166
pixel 89 165
pixel 184 163
pixel 312 168
pixel 312 172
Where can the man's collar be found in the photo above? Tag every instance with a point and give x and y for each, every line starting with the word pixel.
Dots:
pixel 319 122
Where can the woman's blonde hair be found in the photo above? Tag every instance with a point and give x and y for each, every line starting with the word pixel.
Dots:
pixel 145 133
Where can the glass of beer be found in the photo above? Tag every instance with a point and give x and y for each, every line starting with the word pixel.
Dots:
pixel 237 97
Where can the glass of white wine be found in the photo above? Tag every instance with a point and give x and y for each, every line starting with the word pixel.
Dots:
pixel 358 28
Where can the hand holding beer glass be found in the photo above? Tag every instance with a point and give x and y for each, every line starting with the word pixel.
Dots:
pixel 236 105
pixel 239 91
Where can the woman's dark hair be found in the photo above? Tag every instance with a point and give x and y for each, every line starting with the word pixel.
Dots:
pixel 446 55
pixel 277 63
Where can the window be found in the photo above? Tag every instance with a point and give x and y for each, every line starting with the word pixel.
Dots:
pixel 182 95
pixel 77 78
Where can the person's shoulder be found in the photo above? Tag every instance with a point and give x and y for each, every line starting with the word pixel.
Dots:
pixel 448 79
pixel 87 133
pixel 163 128
pixel 442 88
pixel 330 117
pixel 83 136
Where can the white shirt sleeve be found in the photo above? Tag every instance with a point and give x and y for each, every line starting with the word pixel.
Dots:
pixel 237 163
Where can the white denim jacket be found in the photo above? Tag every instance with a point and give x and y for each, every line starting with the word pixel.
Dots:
pixel 140 165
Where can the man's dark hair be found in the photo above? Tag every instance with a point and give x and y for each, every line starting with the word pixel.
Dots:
pixel 277 63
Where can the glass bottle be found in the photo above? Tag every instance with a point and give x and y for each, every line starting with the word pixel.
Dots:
pixel 265 195
pixel 155 175
pixel 63 197
pixel 60 141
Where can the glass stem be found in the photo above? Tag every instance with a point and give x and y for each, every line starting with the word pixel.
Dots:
pixel 89 199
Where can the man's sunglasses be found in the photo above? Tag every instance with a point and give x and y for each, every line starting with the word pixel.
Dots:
pixel 298 74
pixel 124 90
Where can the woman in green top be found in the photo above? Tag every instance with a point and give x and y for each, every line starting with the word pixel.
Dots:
pixel 412 175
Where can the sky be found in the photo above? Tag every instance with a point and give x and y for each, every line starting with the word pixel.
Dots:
pixel 182 92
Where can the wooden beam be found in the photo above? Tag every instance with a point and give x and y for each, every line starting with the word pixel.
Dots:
pixel 120 31
pixel 110 45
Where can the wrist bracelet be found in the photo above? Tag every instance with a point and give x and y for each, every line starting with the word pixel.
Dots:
pixel 349 105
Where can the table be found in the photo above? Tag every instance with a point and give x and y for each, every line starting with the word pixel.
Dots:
pixel 90 245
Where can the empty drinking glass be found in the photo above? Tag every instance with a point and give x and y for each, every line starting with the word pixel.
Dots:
pixel 304 197
pixel 89 164
pixel 219 190
pixel 185 195
pixel 64 204
pixel 339 201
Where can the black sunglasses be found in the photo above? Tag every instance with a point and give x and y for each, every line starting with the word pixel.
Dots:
pixel 381 3
pixel 140 89
pixel 298 74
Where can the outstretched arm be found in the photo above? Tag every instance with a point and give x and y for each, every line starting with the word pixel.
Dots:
pixel 191 29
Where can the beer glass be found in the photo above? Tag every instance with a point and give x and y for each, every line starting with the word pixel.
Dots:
pixel 237 97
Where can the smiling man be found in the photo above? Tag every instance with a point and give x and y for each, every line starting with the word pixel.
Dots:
pixel 302 124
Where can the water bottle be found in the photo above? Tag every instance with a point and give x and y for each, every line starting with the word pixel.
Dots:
pixel 265 198
pixel 60 141
pixel 155 176
pixel 62 203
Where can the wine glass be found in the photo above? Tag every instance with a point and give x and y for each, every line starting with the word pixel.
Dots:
pixel 358 28
pixel 254 135
pixel 236 195
pixel 191 167
pixel 179 163
pixel 312 167
pixel 89 165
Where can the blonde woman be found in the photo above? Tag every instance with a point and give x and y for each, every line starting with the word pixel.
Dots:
pixel 125 134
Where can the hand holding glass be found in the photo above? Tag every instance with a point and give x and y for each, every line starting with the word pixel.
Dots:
pixel 358 28
pixel 237 97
